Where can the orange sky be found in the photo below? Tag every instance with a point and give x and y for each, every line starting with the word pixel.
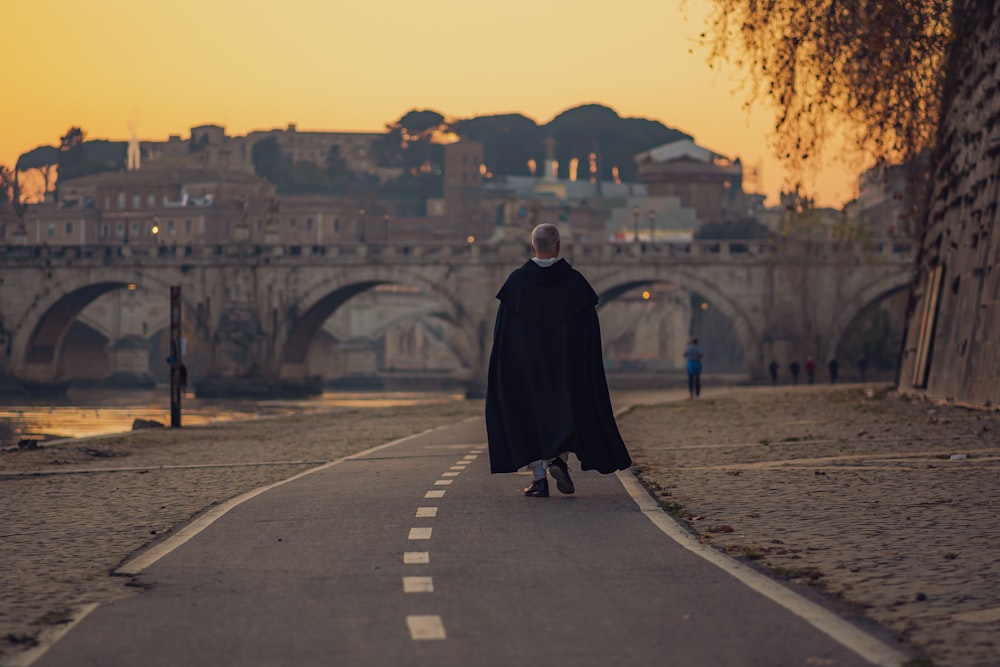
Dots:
pixel 356 65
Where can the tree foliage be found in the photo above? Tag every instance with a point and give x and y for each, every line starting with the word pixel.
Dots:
pixel 78 157
pixel 872 67
pixel 10 193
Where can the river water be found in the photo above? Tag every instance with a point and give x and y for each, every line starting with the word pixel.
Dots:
pixel 84 413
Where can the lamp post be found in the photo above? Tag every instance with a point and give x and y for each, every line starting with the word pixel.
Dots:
pixel 635 224
pixel 652 225
pixel 361 213
pixel 385 219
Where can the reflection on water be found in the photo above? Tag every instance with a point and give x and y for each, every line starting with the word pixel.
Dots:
pixel 99 412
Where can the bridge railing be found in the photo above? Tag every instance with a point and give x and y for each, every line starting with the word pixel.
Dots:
pixel 429 253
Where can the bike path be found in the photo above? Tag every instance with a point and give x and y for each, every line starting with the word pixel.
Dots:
pixel 324 570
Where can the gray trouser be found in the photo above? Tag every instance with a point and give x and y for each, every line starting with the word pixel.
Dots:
pixel 538 467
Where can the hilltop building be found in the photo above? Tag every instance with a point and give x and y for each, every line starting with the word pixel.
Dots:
pixel 708 182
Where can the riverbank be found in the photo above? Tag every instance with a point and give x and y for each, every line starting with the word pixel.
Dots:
pixel 75 510
pixel 886 504
pixel 847 490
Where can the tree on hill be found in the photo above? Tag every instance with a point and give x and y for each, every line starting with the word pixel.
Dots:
pixel 268 159
pixel 78 157
pixel 10 193
pixel 614 141
pixel 44 160
pixel 509 141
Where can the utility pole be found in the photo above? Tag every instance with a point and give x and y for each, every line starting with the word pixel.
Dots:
pixel 177 374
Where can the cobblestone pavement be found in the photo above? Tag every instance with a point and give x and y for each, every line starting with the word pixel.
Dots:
pixel 93 503
pixel 850 491
pixel 887 504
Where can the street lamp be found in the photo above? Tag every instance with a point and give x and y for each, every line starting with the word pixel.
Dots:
pixel 635 224
pixel 652 225
pixel 361 213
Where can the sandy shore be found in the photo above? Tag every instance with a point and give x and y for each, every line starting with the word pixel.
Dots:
pixel 852 492
pixel 854 495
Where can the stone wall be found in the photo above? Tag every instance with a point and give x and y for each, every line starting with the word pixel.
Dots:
pixel 952 348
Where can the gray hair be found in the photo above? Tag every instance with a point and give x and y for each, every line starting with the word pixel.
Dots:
pixel 544 238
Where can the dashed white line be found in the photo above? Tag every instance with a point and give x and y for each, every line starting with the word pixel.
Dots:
pixel 443 482
pixel 458 467
pixel 425 627
pixel 435 494
pixel 418 584
pixel 450 474
pixel 416 557
pixel 470 457
pixel 426 512
pixel 420 533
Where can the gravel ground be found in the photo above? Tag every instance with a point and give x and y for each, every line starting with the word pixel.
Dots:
pixel 851 491
pixel 887 504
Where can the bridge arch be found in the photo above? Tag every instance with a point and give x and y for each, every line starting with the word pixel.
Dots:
pixel 612 285
pixel 884 287
pixel 330 291
pixel 38 339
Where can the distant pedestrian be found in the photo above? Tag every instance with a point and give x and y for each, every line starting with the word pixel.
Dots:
pixel 862 366
pixel 773 370
pixel 793 368
pixel 834 367
pixel 811 369
pixel 693 355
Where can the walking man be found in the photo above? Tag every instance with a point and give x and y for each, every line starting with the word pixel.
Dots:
pixel 693 355
pixel 547 394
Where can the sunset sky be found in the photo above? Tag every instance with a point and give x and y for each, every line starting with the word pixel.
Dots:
pixel 357 65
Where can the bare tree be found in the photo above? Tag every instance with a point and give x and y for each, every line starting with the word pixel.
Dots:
pixel 10 193
pixel 873 68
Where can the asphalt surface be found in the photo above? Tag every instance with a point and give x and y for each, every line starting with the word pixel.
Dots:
pixel 312 573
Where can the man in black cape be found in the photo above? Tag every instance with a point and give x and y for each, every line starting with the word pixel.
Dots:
pixel 547 394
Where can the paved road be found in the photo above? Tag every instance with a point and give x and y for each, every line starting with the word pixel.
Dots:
pixel 316 572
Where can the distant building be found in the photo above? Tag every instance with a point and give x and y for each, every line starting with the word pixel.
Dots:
pixel 209 146
pixel 707 182
pixel 885 206
pixel 184 206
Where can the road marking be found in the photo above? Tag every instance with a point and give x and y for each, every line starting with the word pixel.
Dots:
pixel 457 467
pixel 426 512
pixel 158 551
pixel 420 533
pixel 868 647
pixel 418 584
pixel 443 482
pixel 435 494
pixel 425 627
pixel 416 557
pixel 470 457
pixel 450 474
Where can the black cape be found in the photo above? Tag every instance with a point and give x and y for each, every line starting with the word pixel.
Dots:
pixel 547 392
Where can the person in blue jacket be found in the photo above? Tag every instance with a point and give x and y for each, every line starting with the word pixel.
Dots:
pixel 693 355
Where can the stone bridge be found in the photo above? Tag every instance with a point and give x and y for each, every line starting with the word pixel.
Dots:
pixel 251 311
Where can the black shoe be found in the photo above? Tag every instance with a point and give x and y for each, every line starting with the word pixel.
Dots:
pixel 538 489
pixel 560 472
